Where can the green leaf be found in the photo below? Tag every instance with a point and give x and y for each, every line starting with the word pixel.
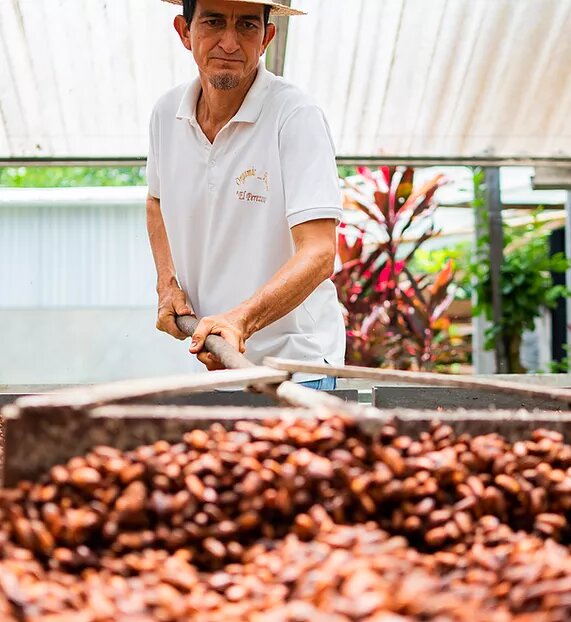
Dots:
pixel 72 176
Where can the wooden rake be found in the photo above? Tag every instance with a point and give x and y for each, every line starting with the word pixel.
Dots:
pixel 43 430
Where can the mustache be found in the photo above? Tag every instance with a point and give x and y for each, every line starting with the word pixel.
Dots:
pixel 224 57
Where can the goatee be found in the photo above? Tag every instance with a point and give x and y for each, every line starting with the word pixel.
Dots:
pixel 224 81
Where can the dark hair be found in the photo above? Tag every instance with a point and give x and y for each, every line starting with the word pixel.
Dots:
pixel 188 7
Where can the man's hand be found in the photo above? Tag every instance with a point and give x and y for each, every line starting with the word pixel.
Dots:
pixel 230 326
pixel 172 302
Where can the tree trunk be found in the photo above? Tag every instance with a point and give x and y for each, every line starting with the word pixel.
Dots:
pixel 513 347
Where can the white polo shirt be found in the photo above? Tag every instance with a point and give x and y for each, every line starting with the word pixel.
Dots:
pixel 228 207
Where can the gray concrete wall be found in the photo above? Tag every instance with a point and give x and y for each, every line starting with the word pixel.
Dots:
pixel 78 346
pixel 69 346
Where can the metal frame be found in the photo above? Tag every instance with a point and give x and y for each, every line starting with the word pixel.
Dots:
pixel 388 160
pixel 496 252
pixel 275 55
pixel 568 273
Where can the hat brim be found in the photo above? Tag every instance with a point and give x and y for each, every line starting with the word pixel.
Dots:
pixel 276 8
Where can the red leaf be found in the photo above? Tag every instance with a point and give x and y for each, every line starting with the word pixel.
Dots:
pixel 382 202
pixel 425 192
pixel 439 287
pixel 348 252
pixel 362 202
pixel 443 306
pixel 393 194
pixel 366 172
pixel 399 266
pixel 404 189
pixel 383 280
pixel 386 173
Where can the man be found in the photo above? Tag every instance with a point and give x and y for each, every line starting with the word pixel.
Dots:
pixel 243 197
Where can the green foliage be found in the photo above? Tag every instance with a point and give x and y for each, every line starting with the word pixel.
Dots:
pixel 71 176
pixel 526 282
pixel 433 261
pixel 564 365
pixel 346 171
pixel 82 176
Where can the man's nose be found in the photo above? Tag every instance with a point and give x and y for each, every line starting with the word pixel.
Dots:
pixel 229 40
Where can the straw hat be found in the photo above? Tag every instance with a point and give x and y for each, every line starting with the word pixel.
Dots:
pixel 277 9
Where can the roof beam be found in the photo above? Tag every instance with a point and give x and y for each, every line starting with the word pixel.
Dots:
pixel 71 161
pixel 481 161
pixel 417 161
pixel 552 178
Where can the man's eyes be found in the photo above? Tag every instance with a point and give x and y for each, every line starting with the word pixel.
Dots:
pixel 248 25
pixel 214 22
pixel 245 26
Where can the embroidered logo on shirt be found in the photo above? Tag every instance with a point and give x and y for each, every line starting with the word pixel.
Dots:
pixel 253 186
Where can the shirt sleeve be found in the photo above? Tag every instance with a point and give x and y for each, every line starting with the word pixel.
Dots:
pixel 309 171
pixel 153 179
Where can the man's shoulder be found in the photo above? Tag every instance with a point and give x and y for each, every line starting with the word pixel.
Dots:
pixel 169 102
pixel 286 98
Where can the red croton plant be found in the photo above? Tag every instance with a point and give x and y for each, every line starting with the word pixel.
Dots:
pixel 394 318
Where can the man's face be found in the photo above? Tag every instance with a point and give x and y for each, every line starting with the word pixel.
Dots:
pixel 227 40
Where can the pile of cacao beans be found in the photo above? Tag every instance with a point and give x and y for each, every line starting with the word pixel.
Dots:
pixel 295 520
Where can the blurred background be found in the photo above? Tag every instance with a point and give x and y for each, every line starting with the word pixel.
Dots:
pixel 452 125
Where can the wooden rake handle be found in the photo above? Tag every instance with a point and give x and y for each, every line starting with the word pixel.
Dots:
pixel 287 392
pixel 222 350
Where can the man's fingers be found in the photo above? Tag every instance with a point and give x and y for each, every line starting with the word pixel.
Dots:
pixel 211 362
pixel 198 338
pixel 167 324
pixel 176 332
pixel 183 309
pixel 212 325
pixel 233 338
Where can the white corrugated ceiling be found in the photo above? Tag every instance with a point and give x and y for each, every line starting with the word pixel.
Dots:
pixel 439 77
pixel 401 78
pixel 80 77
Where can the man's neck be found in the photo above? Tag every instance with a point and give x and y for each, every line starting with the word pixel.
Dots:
pixel 215 107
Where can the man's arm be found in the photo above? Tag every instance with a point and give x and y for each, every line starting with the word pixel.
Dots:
pixel 312 263
pixel 172 300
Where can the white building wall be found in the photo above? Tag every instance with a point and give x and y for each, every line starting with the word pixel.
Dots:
pixel 74 248
pixel 77 289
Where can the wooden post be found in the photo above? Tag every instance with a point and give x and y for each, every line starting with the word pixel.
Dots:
pixel 568 273
pixel 559 178
pixel 494 205
pixel 275 55
pixel 484 360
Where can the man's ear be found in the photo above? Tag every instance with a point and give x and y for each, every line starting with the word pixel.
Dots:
pixel 270 34
pixel 182 29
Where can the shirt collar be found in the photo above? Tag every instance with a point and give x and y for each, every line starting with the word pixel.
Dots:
pixel 249 110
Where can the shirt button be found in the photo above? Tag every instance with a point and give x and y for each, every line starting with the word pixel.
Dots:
pixel 212 163
pixel 211 187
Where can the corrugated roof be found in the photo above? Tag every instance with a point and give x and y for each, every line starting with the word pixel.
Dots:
pixel 440 78
pixel 422 78
pixel 80 77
